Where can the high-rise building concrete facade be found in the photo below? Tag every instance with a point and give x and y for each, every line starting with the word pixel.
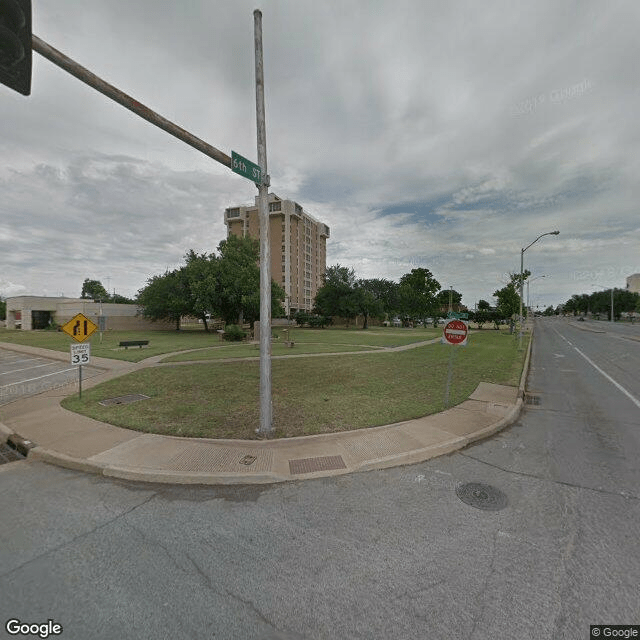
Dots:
pixel 298 247
pixel 633 283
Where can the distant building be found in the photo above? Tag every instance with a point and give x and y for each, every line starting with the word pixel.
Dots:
pixel 298 247
pixel 40 312
pixel 633 283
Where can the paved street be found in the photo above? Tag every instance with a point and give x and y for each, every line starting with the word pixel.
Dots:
pixel 25 375
pixel 384 554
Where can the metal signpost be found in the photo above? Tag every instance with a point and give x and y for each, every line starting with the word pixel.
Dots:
pixel 455 333
pixel 80 354
pixel 80 328
pixel 266 409
pixel 16 45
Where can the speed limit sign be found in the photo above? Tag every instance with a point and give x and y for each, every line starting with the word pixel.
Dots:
pixel 81 353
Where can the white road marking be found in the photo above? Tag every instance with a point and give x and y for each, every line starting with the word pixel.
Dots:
pixel 13 384
pixel 35 366
pixel 609 378
pixel 606 375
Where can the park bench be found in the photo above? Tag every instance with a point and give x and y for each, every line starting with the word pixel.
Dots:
pixel 133 343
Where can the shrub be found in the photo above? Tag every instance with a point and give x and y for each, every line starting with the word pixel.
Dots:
pixel 233 332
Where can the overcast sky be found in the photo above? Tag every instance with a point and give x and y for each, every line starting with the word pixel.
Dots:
pixel 444 135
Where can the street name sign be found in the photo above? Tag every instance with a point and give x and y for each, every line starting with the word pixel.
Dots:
pixel 79 327
pixel 246 168
pixel 80 353
pixel 457 315
pixel 455 332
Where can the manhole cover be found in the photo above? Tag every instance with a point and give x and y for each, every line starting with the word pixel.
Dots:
pixel 8 454
pixel 123 400
pixel 482 496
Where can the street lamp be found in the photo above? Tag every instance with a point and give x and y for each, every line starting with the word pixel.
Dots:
pixel 549 233
pixel 532 280
pixel 601 287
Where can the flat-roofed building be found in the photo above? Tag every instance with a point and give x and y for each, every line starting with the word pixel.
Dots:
pixel 633 283
pixel 298 247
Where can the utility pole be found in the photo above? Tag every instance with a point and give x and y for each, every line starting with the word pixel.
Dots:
pixel 15 72
pixel 266 408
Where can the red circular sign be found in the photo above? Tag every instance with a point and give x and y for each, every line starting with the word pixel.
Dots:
pixel 455 331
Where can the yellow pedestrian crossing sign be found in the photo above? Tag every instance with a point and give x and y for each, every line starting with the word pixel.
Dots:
pixel 79 327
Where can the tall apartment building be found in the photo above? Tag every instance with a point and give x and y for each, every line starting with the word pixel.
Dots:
pixel 633 283
pixel 298 247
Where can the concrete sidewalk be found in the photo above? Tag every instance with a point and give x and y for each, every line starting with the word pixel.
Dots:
pixel 74 441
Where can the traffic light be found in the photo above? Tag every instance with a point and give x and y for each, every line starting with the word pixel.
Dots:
pixel 15 45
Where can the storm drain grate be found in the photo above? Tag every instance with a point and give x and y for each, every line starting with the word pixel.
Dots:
pixel 532 399
pixel 8 454
pixel 310 465
pixel 135 397
pixel 482 496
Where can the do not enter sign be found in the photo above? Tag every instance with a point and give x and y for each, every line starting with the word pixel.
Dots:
pixel 455 332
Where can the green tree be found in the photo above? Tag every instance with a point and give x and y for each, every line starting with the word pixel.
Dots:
pixel 94 290
pixel 366 303
pixel 338 296
pixel 166 297
pixel 508 303
pixel 200 268
pixel 375 297
pixel 3 308
pixel 448 297
pixel 118 299
pixel 385 291
pixel 228 284
pixel 481 316
pixel 577 304
pixel 417 294
pixel 483 305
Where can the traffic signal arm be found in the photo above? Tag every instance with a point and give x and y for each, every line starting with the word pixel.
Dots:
pixel 72 67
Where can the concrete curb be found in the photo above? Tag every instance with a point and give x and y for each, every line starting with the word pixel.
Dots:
pixel 165 476
pixel 5 432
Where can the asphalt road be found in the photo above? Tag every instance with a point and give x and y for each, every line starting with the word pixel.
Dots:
pixel 384 554
pixel 24 375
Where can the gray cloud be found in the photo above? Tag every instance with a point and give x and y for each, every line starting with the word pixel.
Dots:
pixel 425 134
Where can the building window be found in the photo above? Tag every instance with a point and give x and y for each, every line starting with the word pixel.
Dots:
pixel 275 206
pixel 233 213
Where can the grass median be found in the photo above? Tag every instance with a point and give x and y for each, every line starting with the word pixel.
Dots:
pixel 311 395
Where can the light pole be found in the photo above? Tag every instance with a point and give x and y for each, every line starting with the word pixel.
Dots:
pixel 549 233
pixel 532 280
pixel 601 287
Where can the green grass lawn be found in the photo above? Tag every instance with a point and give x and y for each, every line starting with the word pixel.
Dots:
pixel 160 342
pixel 310 395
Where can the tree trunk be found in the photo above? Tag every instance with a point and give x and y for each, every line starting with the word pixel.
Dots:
pixel 204 319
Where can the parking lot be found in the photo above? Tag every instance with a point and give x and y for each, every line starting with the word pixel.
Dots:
pixel 26 375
